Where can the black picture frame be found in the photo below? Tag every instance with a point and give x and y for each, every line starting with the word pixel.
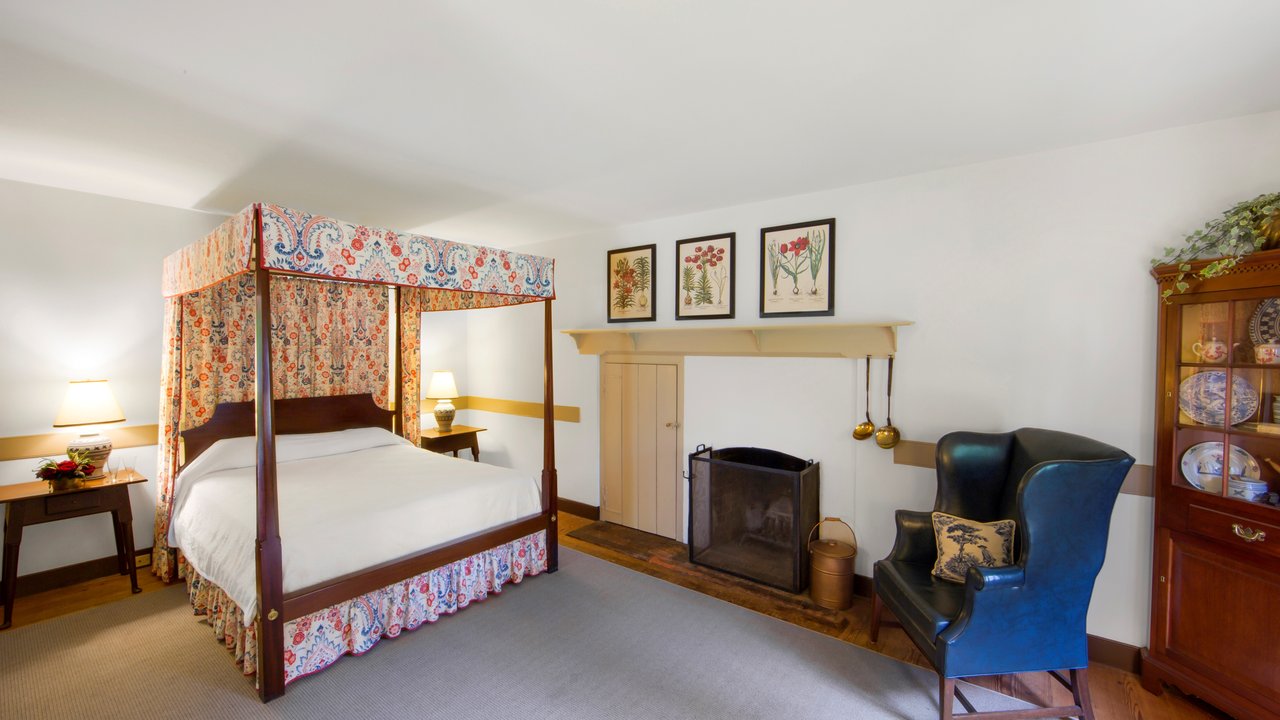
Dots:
pixel 709 279
pixel 638 286
pixel 776 268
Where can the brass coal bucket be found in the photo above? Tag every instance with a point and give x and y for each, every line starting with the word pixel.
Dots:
pixel 831 568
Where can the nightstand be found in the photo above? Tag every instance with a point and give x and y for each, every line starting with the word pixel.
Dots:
pixel 34 503
pixel 461 437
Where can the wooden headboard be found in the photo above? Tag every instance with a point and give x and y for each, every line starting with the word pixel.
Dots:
pixel 296 415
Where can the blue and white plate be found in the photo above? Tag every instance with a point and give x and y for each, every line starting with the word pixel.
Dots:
pixel 1264 326
pixel 1203 396
pixel 1202 465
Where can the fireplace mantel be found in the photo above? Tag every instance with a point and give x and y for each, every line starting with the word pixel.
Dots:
pixel 851 340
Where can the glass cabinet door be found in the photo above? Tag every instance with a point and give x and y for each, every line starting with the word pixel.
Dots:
pixel 1227 436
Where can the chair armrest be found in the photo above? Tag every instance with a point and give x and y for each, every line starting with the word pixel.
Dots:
pixel 915 542
pixel 993 598
pixel 983 578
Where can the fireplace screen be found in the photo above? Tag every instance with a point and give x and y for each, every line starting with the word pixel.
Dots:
pixel 750 511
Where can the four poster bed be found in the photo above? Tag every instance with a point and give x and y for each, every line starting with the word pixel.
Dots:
pixel 289 338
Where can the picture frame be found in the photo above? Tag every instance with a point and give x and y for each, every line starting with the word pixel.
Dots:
pixel 705 280
pixel 630 280
pixel 797 269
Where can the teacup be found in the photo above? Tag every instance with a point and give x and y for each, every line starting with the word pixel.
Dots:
pixel 1267 353
pixel 1215 350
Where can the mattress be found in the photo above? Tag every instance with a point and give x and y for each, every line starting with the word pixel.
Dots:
pixel 348 500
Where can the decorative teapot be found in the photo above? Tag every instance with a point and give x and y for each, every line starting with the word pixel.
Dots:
pixel 1210 351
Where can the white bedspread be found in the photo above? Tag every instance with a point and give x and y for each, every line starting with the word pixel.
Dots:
pixel 348 500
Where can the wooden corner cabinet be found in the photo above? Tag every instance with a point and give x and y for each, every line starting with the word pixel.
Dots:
pixel 1215 582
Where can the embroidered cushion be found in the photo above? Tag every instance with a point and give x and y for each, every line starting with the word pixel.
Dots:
pixel 966 543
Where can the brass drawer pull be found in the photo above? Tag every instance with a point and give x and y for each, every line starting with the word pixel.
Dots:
pixel 1248 534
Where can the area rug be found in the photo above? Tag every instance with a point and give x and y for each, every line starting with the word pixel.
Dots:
pixel 594 640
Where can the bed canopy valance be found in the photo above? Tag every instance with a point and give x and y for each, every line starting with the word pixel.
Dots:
pixel 279 305
pixel 314 245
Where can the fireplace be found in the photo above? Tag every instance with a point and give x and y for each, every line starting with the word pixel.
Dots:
pixel 750 511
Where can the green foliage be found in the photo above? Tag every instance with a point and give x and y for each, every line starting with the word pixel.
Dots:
pixel 642 272
pixel 1241 230
pixel 686 283
pixel 702 292
pixel 817 246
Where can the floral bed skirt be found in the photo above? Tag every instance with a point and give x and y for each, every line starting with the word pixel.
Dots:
pixel 314 642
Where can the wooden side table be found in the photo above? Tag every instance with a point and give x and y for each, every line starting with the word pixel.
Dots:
pixel 34 503
pixel 461 437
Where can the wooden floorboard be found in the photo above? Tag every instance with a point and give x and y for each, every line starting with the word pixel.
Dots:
pixel 1116 694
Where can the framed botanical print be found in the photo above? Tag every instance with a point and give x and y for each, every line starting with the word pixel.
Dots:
pixel 705 283
pixel 631 284
pixel 797 269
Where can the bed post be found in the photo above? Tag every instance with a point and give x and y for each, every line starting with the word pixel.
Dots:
pixel 549 490
pixel 397 362
pixel 270 571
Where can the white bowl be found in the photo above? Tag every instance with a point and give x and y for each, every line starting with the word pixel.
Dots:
pixel 1210 483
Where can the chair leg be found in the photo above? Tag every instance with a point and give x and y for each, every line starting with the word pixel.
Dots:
pixel 875 617
pixel 946 697
pixel 1080 692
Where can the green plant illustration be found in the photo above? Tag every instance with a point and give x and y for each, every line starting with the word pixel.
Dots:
pixel 702 294
pixel 802 256
pixel 775 264
pixel 687 283
pixel 624 284
pixel 817 245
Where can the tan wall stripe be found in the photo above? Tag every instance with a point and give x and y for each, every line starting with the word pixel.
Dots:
pixel 563 413
pixel 22 447
pixel 55 444
pixel 1139 481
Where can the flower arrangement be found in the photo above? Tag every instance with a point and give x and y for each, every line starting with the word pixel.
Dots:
pixel 1248 226
pixel 75 467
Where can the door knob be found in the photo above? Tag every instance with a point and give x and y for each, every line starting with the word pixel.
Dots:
pixel 673 425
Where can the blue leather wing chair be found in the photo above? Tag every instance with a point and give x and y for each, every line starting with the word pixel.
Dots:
pixel 1029 616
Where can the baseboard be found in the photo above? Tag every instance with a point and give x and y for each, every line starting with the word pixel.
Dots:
pixel 583 510
pixel 72 574
pixel 1109 652
pixel 1116 654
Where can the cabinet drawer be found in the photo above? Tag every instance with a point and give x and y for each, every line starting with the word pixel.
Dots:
pixel 61 504
pixel 1234 530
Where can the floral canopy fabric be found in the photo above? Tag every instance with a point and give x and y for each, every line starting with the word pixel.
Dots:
pixel 330 324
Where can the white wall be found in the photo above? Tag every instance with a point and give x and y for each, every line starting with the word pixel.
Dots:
pixel 80 297
pixel 1027 280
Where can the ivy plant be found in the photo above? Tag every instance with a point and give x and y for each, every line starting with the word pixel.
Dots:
pixel 1246 227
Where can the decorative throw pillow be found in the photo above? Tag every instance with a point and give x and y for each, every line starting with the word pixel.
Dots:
pixel 966 543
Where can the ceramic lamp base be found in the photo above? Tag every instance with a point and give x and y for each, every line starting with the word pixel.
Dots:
pixel 96 448
pixel 444 415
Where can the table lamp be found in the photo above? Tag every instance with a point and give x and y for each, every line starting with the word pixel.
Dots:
pixel 90 403
pixel 443 390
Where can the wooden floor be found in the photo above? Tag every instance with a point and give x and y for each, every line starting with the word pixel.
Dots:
pixel 1116 694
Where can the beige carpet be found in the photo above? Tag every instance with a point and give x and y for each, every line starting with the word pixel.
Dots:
pixel 594 640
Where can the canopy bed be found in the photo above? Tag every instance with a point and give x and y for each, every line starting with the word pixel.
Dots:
pixel 291 396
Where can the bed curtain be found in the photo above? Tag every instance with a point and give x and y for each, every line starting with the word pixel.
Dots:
pixel 327 339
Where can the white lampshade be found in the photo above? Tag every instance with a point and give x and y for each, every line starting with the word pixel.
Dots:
pixel 88 402
pixel 442 385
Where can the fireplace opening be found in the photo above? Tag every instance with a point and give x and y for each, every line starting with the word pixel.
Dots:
pixel 750 510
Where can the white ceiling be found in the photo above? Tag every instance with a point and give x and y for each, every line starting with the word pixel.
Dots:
pixel 506 121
